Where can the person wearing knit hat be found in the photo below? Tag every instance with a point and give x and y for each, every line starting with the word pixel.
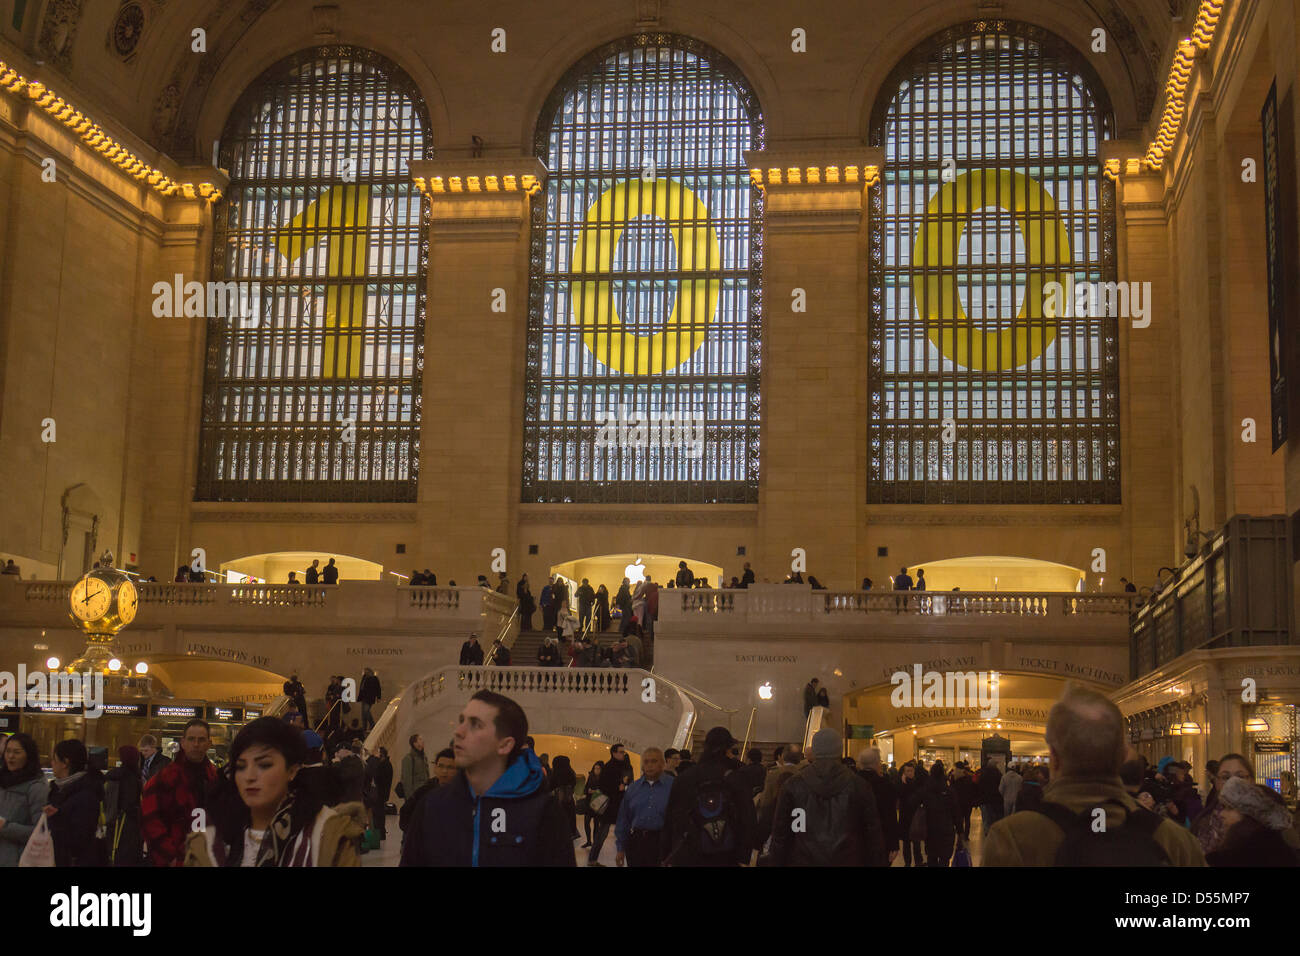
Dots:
pixel 710 820
pixel 826 814
pixel 1256 818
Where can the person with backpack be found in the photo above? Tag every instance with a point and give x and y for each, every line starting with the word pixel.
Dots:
pixel 1087 745
pixel 75 805
pixel 826 815
pixel 122 792
pixel 711 810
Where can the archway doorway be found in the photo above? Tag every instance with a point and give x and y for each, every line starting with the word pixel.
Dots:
pixel 998 573
pixel 274 567
pixel 611 569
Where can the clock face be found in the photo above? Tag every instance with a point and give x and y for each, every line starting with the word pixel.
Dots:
pixel 127 600
pixel 90 599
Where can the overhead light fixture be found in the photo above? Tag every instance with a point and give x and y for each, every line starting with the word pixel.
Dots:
pixel 52 663
pixel 142 668
pixel 1257 725
pixel 1191 727
pixel 1176 730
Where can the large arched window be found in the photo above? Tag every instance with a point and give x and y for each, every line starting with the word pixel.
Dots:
pixel 312 388
pixel 644 318
pixel 985 387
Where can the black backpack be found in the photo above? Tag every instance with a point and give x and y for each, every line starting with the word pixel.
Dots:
pixel 713 819
pixel 1133 844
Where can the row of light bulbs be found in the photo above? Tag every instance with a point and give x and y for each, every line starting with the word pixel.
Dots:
pixel 114 666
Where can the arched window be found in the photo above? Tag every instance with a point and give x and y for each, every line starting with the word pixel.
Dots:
pixel 644 316
pixel 985 384
pixel 312 384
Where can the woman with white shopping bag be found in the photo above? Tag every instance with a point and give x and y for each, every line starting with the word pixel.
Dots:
pixel 23 792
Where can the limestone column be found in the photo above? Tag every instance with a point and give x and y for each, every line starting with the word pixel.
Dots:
pixel 813 482
pixel 474 350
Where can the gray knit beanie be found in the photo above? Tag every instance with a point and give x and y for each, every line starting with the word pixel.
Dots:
pixel 1259 803
pixel 826 744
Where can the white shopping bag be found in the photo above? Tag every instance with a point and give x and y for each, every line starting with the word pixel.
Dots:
pixel 40 846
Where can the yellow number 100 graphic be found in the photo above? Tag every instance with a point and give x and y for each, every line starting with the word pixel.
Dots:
pixel 341 217
pixel 696 301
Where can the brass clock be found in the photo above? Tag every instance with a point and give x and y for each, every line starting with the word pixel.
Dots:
pixel 103 602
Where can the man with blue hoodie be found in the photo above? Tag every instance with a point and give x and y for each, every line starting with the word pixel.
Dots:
pixel 496 811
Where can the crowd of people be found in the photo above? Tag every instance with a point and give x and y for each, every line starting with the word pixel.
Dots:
pixel 284 798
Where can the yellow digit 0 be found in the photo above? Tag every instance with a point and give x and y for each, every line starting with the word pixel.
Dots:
pixel 1047 248
pixel 696 302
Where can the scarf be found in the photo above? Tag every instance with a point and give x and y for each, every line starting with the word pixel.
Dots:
pixel 26 772
pixel 280 845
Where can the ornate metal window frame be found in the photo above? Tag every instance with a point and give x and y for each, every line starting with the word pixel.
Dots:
pixel 570 395
pixel 1052 433
pixel 281 387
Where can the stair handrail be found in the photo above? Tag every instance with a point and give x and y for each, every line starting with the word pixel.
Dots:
pixel 502 636
pixel 690 691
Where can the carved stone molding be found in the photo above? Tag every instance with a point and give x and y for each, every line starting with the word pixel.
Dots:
pixel 59 32
pixel 625 517
pixel 1108 518
pixel 304 517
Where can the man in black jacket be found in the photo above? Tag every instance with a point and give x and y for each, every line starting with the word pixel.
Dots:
pixel 871 768
pixel 989 790
pixel 710 810
pixel 496 811
pixel 368 693
pixel 471 652
pixel 379 775
pixel 151 761
pixel 826 814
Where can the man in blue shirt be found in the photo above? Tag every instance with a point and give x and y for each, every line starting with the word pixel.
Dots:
pixel 638 833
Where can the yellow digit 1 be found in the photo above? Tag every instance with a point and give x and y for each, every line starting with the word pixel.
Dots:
pixel 340 216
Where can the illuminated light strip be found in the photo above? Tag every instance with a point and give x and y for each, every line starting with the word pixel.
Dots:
pixel 503 183
pixel 94 136
pixel 814 176
pixel 1180 73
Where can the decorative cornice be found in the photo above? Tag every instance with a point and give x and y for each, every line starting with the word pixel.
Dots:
pixel 93 135
pixel 440 177
pixel 304 517
pixel 623 517
pixel 1106 515
pixel 807 168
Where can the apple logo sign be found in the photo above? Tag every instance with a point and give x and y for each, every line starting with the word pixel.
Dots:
pixel 765 690
pixel 635 572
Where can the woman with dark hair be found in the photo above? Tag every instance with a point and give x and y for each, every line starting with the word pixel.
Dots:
pixel 526 603
pixel 1255 819
pixel 939 804
pixel 23 791
pixel 588 815
pixel 260 818
pixel 122 790
pixel 73 809
pixel 602 609
pixel 1209 826
pixel 563 781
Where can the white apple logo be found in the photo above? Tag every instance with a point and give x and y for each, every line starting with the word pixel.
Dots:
pixel 765 690
pixel 635 572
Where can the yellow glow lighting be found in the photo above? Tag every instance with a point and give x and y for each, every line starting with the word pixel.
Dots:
pixel 1180 73
pixel 95 137
pixel 491 183
pixel 815 176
